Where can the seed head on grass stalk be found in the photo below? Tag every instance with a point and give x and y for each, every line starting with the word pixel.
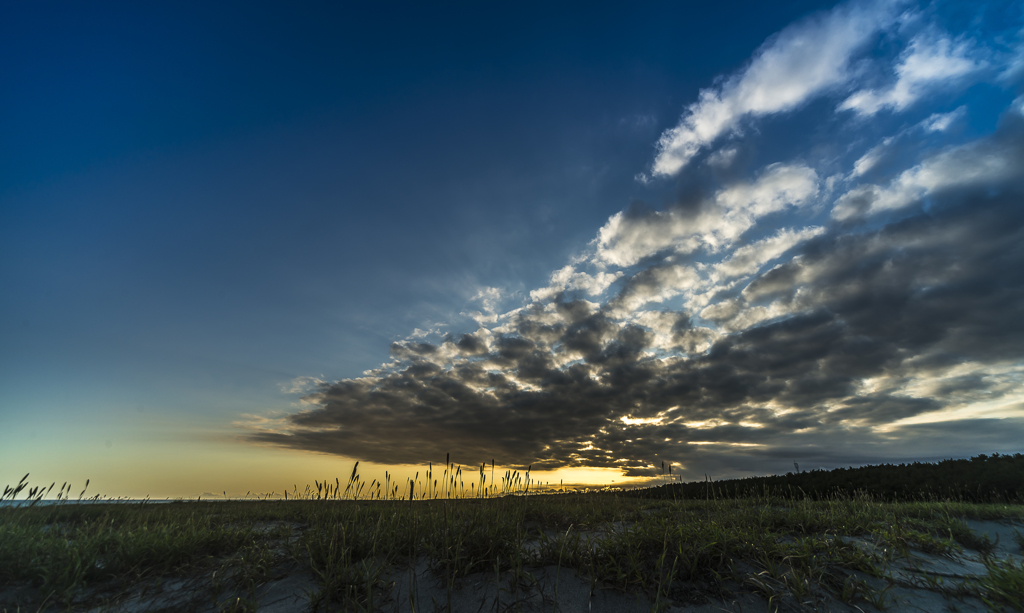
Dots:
pixel 353 478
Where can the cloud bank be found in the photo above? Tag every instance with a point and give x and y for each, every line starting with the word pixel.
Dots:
pixel 832 311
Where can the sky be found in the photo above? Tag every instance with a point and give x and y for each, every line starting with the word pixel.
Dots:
pixel 245 245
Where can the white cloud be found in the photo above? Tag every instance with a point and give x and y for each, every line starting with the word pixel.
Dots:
pixel 721 311
pixel 655 284
pixel 302 385
pixel 489 298
pixel 962 166
pixel 747 260
pixel 940 122
pixel 936 122
pixel 626 239
pixel 735 314
pixel 668 337
pixel 420 333
pixel 778 185
pixel 870 159
pixel 804 60
pixel 723 158
pixel 568 279
pixel 930 61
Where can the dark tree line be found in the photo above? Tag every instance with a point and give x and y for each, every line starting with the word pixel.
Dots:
pixel 995 478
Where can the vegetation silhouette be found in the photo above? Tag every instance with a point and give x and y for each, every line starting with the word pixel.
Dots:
pixel 983 478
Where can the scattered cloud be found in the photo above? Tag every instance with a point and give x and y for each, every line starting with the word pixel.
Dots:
pixel 968 165
pixel 489 300
pixel 747 260
pixel 1012 68
pixel 723 158
pixel 930 62
pixel 940 122
pixel 639 232
pixel 799 63
pixel 489 297
pixel 301 385
pixel 568 279
pixel 870 159
pixel 894 148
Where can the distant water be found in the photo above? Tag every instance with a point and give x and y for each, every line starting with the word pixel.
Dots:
pixel 46 503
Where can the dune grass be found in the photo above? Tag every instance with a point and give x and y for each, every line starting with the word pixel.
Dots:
pixel 352 538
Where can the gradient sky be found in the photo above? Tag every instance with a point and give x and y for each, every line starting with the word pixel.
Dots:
pixel 243 246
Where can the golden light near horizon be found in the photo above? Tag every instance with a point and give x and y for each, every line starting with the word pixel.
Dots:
pixel 188 470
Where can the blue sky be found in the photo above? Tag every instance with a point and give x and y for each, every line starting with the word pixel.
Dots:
pixel 584 238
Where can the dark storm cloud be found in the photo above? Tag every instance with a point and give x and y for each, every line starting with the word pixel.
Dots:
pixel 470 344
pixel 588 336
pixel 409 350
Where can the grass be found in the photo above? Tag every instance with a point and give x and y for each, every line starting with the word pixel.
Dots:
pixel 1004 585
pixel 354 539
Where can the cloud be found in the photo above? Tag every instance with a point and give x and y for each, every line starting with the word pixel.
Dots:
pixel 967 165
pixel 940 122
pixel 824 356
pixel 654 284
pixel 747 260
pixel 931 61
pixel 759 323
pixel 569 279
pixel 418 333
pixel 1013 64
pixel 302 385
pixel 632 235
pixel 723 158
pixel 799 63
pixel 895 148
pixel 870 159
pixel 489 298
